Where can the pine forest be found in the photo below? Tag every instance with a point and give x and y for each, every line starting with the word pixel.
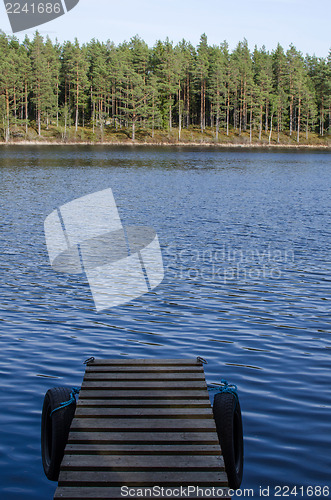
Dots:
pixel 100 92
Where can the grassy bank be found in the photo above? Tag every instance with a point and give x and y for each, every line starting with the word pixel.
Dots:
pixel 190 136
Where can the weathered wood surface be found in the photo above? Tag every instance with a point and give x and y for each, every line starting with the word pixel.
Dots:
pixel 141 423
pixel 107 493
pixel 143 449
pixel 144 412
pixel 141 403
pixel 142 437
pixel 184 376
pixel 144 362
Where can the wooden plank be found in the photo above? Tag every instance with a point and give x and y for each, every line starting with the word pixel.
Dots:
pixel 116 493
pixel 143 478
pixel 145 362
pixel 133 425
pixel 121 385
pixel 144 394
pixel 144 412
pixel 131 463
pixel 144 403
pixel 142 449
pixel 153 437
pixel 143 369
pixel 186 376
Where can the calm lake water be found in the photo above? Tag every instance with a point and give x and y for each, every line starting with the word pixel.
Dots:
pixel 246 247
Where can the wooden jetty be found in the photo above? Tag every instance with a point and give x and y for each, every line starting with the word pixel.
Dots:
pixel 142 423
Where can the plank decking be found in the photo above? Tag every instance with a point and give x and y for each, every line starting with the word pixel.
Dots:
pixel 141 423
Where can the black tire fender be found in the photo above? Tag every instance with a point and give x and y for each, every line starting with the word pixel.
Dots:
pixel 227 416
pixel 55 429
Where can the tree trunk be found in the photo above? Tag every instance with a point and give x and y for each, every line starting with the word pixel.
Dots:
pixel 134 127
pixel 39 122
pixel 270 133
pixel 204 105
pixel 113 103
pixel 322 118
pixel 240 109
pixel 299 117
pixel 228 113
pixel 153 117
pixel 39 110
pixel 201 107
pixel 7 128
pixel 260 124
pixel 76 120
pixel 26 108
pixel 245 108
pixel 116 114
pixel 235 111
pixel 291 115
pixel 250 122
pixel 179 113
pixel 93 117
pixel 188 101
pixel 15 104
pixel 65 122
pixel 217 122
pixel 57 103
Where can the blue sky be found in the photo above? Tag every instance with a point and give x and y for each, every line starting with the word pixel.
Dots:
pixel 305 23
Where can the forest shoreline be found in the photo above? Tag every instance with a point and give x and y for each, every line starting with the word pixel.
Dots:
pixel 178 95
pixel 130 144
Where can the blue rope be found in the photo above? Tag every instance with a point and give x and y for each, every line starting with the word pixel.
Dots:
pixel 225 387
pixel 75 390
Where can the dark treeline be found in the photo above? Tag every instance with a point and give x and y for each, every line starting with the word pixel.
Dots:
pixel 130 86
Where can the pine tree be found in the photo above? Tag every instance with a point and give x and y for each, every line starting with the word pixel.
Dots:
pixel 52 70
pixel 292 61
pixel 76 68
pixel 164 62
pixel 100 57
pixel 24 78
pixel 180 69
pixel 136 93
pixel 229 82
pixel 262 64
pixel 319 71
pixel 279 67
pixel 43 80
pixel 202 67
pixel 245 72
pixel 217 86
pixel 188 56
pixel 8 81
